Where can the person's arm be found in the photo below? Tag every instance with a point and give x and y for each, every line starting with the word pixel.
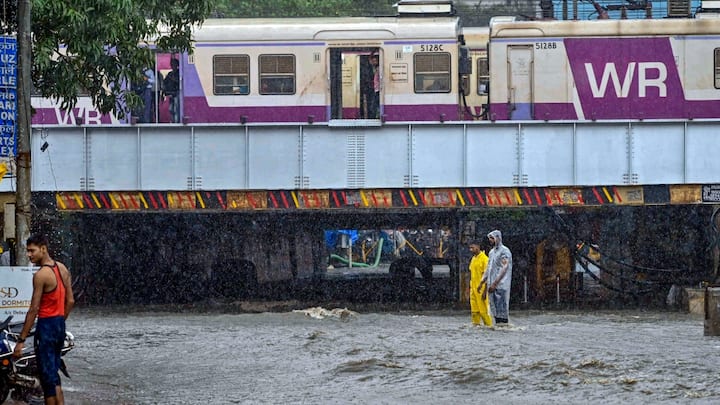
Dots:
pixel 483 278
pixel 150 76
pixel 505 264
pixel 39 281
pixel 69 297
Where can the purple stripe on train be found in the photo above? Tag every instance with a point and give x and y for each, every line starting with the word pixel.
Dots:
pixel 635 78
pixel 197 111
pixel 618 78
pixel 422 112
pixel 537 111
pixel 78 116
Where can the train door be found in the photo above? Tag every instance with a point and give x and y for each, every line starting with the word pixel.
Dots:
pixel 354 84
pixel 520 82
pixel 149 91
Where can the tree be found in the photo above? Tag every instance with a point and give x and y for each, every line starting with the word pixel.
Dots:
pixel 98 45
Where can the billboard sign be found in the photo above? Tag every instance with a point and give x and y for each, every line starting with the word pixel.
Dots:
pixel 8 95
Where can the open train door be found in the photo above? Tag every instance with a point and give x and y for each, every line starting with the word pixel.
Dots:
pixel 520 82
pixel 354 83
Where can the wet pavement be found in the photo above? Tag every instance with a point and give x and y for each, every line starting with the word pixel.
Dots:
pixel 397 357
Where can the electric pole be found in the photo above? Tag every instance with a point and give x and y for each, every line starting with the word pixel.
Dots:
pixel 23 128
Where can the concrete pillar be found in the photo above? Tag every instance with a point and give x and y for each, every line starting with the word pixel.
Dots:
pixel 695 300
pixel 712 311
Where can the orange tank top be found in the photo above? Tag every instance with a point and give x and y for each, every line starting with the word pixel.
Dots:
pixel 52 303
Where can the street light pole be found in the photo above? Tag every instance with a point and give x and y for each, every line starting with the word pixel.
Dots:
pixel 22 195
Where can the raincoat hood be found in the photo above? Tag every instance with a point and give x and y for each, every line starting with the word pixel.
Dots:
pixel 498 237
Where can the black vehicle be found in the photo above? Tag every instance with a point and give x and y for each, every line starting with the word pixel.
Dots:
pixel 19 377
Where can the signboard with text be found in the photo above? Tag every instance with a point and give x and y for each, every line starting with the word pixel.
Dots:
pixel 15 291
pixel 711 193
pixel 8 95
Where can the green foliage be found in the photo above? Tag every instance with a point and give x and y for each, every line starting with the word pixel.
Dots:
pixel 93 44
pixel 88 44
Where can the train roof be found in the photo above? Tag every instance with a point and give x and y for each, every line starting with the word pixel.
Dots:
pixel 321 29
pixel 505 28
pixel 476 36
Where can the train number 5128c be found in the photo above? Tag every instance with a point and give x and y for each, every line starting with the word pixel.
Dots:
pixel 431 48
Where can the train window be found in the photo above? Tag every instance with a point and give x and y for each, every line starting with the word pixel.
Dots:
pixel 432 72
pixel 483 76
pixel 717 68
pixel 277 74
pixel 231 74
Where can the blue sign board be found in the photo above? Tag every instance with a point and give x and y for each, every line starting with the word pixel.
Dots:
pixel 8 96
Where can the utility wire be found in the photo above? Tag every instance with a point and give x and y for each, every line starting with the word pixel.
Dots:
pixel 640 269
pixel 608 285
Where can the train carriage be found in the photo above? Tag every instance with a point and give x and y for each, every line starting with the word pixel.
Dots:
pixel 317 70
pixel 605 69
pixel 309 70
pixel 430 69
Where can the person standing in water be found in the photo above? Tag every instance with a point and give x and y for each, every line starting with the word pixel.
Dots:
pixel 498 277
pixel 479 306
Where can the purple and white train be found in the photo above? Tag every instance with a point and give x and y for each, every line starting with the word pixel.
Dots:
pixel 431 69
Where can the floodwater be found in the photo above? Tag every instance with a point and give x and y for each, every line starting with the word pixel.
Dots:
pixel 390 358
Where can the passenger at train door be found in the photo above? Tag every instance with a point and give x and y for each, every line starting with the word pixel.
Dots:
pixel 147 94
pixel 374 98
pixel 171 89
pixel 157 96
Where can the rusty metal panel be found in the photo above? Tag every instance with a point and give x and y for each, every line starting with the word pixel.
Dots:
pixel 685 194
pixel 629 195
pixel 246 200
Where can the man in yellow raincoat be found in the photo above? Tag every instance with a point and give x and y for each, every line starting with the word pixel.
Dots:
pixel 479 304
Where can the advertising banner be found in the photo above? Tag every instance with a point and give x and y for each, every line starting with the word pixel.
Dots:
pixel 15 291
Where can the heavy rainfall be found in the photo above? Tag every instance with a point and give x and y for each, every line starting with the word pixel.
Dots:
pixel 372 334
pixel 238 301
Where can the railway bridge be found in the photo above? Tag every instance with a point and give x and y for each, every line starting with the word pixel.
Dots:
pixel 181 213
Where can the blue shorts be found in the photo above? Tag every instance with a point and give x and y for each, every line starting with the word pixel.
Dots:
pixel 49 341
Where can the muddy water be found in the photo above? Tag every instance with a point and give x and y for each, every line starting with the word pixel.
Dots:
pixel 389 358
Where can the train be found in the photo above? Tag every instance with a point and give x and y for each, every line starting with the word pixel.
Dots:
pixel 367 71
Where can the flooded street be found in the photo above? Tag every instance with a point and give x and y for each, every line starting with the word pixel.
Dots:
pixel 395 357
